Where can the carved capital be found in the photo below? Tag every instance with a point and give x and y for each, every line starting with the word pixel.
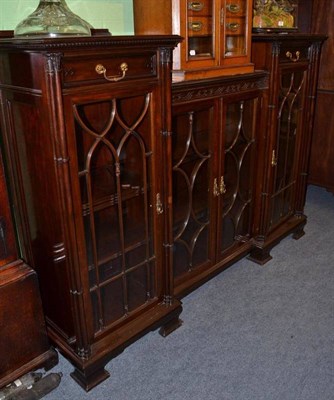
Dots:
pixel 53 63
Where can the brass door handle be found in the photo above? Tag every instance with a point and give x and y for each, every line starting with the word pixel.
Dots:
pixel 290 56
pixel 100 69
pixel 273 159
pixel 215 188
pixel 158 205
pixel 222 186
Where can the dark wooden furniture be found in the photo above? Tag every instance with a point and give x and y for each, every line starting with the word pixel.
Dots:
pixel 24 344
pixel 322 150
pixel 293 63
pixel 216 163
pixel 85 123
pixel 217 34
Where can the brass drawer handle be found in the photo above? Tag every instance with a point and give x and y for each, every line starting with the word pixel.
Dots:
pixel 233 8
pixel 195 5
pixel 100 69
pixel 195 26
pixel 233 26
pixel 289 55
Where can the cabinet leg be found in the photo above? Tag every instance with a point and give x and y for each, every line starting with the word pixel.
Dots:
pixel 298 233
pixel 260 256
pixel 170 326
pixel 89 379
pixel 52 360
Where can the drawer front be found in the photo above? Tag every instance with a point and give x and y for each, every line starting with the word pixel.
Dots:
pixel 235 26
pixel 202 7
pixel 235 8
pixel 199 26
pixel 102 69
pixel 293 53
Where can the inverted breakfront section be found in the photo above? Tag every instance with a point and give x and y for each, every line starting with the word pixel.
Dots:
pixel 217 153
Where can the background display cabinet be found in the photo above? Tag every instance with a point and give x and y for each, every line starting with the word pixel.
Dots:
pixel 84 125
pixel 216 34
pixel 216 173
pixel 293 63
pixel 24 344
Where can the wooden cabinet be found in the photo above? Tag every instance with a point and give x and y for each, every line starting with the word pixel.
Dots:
pixel 216 34
pixel 216 159
pixel 85 124
pixel 24 345
pixel 293 63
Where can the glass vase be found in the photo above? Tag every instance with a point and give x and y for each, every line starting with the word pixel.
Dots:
pixel 53 18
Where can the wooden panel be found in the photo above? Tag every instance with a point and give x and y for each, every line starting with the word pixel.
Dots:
pixel 24 344
pixel 322 22
pixel 322 153
pixel 7 242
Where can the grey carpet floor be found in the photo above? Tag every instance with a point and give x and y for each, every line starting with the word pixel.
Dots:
pixel 251 333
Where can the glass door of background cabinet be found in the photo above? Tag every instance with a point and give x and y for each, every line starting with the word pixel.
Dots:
pixel 114 142
pixel 201 29
pixel 234 21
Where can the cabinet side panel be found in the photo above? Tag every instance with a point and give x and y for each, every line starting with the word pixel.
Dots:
pixel 152 17
pixel 31 155
pixel 322 152
pixel 7 242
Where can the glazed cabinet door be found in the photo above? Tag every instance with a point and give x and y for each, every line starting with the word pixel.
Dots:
pixel 118 201
pixel 215 153
pixel 287 143
pixel 194 141
pixel 237 178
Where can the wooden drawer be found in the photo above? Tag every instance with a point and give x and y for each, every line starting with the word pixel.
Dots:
pixel 293 53
pixel 103 69
pixel 235 8
pixel 202 7
pixel 235 26
pixel 199 26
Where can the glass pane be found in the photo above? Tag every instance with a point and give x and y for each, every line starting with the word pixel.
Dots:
pixel 235 27
pixel 115 161
pixel 240 148
pixel 290 111
pixel 192 135
pixel 200 28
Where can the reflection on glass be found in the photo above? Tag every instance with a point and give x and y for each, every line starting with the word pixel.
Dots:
pixel 275 14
